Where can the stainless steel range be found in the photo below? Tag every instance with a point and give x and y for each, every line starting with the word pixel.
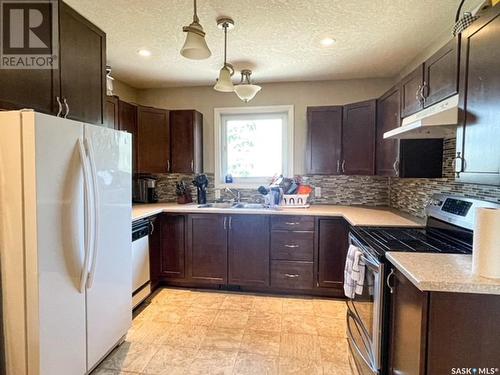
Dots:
pixel 449 229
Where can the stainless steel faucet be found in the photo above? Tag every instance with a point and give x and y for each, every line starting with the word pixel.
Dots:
pixel 235 193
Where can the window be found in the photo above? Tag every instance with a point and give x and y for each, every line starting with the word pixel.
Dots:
pixel 253 144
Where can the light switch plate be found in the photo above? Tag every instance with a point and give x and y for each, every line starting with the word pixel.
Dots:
pixel 317 192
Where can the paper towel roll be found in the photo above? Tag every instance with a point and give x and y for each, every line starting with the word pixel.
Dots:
pixel 486 245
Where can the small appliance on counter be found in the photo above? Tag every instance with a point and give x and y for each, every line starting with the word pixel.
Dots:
pixel 145 190
pixel 201 183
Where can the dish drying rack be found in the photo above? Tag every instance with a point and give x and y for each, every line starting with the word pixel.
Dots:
pixel 295 201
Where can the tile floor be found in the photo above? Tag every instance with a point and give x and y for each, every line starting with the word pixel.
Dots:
pixel 183 332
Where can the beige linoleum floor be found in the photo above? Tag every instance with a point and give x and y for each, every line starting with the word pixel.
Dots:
pixel 183 332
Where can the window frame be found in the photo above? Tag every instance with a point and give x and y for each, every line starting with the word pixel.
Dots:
pixel 288 142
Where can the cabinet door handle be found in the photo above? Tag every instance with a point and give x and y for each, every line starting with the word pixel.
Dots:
pixel 292 246
pixel 417 94
pixel 388 281
pixel 225 223
pixel 458 167
pixel 290 223
pixel 152 228
pixel 192 165
pixel 422 92
pixel 343 166
pixel 338 166
pixel 395 166
pixel 230 223
pixel 168 165
pixel 59 105
pixel 67 108
pixel 291 276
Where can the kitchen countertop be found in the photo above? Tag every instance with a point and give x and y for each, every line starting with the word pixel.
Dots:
pixel 442 273
pixel 355 215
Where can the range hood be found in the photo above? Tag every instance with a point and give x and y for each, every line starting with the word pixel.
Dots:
pixel 437 121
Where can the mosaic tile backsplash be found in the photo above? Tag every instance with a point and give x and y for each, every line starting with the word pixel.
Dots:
pixel 411 194
pixel 344 190
pixel 408 195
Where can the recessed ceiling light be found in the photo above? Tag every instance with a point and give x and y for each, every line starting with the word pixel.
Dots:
pixel 327 42
pixel 144 52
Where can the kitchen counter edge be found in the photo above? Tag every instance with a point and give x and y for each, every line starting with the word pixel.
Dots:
pixel 354 215
pixel 442 273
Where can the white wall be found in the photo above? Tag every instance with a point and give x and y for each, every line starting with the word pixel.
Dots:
pixel 299 94
pixel 124 91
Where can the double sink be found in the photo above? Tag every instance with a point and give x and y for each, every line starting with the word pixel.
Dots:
pixel 236 205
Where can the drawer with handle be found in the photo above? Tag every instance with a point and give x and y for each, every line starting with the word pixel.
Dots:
pixel 291 275
pixel 295 223
pixel 287 245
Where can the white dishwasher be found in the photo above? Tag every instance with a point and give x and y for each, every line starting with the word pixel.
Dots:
pixel 141 282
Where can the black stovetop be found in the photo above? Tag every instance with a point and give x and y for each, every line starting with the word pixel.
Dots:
pixel 425 240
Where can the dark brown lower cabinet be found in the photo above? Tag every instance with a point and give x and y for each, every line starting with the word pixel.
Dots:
pixel 173 249
pixel 254 252
pixel 292 275
pixel 207 248
pixel 155 252
pixel 408 327
pixel 248 250
pixel 436 332
pixel 333 242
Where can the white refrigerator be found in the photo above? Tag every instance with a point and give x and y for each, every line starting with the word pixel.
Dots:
pixel 65 243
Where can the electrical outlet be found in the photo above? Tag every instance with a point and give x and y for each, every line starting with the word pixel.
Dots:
pixel 317 192
pixel 217 193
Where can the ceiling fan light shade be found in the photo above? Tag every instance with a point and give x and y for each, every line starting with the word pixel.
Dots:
pixel 246 92
pixel 195 46
pixel 224 82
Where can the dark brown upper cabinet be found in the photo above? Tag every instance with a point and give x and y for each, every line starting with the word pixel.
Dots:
pixel 358 138
pixel 478 136
pixel 83 66
pixel 332 251
pixel 127 121
pixel 78 84
pixel 153 140
pixel 388 118
pixel 411 92
pixel 324 140
pixel 404 158
pixel 441 74
pixel 207 248
pixel 186 139
pixel 111 112
pixel 248 250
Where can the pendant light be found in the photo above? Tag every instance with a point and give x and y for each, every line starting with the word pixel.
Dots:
pixel 195 47
pixel 224 83
pixel 246 91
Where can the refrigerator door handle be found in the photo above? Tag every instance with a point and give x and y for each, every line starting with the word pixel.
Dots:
pixel 88 223
pixel 96 216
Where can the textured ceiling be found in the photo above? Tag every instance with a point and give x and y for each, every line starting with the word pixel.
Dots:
pixel 278 39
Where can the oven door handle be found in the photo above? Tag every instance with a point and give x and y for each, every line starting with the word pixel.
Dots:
pixel 369 262
pixel 350 337
pixel 353 313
